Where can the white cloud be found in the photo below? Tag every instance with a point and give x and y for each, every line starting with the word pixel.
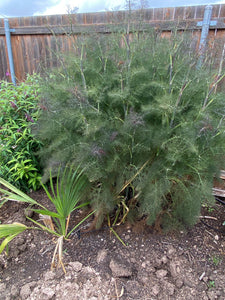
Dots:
pixel 61 6
pixel 97 5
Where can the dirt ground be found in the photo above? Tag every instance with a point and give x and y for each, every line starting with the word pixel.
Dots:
pixel 181 265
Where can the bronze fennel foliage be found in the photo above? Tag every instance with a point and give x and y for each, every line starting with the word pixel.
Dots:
pixel 115 109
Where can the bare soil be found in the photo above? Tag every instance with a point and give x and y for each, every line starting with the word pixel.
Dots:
pixel 181 265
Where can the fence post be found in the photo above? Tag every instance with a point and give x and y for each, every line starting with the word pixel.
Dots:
pixel 9 49
pixel 204 34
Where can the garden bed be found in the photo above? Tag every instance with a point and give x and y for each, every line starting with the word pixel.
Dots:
pixel 181 265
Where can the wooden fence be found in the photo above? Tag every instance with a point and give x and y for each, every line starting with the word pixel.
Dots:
pixel 34 39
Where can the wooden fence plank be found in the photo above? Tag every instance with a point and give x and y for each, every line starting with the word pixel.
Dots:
pixel 37 38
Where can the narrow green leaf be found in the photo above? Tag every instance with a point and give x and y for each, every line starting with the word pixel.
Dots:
pixel 47 192
pixel 46 213
pixel 81 205
pixel 117 236
pixel 77 225
pixel 9 229
pixel 44 227
pixel 6 241
pixel 16 195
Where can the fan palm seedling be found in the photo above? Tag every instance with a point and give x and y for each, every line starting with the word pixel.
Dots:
pixel 71 188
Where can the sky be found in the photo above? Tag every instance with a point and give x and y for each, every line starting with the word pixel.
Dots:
pixel 19 8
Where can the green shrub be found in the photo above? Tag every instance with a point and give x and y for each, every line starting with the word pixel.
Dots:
pixel 145 123
pixel 18 147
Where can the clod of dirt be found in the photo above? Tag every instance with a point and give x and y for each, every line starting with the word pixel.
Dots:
pixel 14 292
pixel 2 287
pixel 26 290
pixel 155 290
pixel 49 275
pixel 120 269
pixel 76 266
pixel 69 287
pixel 174 269
pixel 179 283
pixel 171 252
pixel 168 288
pixel 102 254
pixel 160 274
pixel 48 293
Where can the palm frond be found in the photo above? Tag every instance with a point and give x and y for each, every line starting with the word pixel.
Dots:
pixel 9 232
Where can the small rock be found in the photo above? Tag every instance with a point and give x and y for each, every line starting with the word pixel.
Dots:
pixel 160 274
pixel 157 263
pixel 155 290
pixel 120 269
pixel 216 237
pixel 101 256
pixel 170 288
pixel 179 283
pixel 76 266
pixel 89 270
pixel 174 271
